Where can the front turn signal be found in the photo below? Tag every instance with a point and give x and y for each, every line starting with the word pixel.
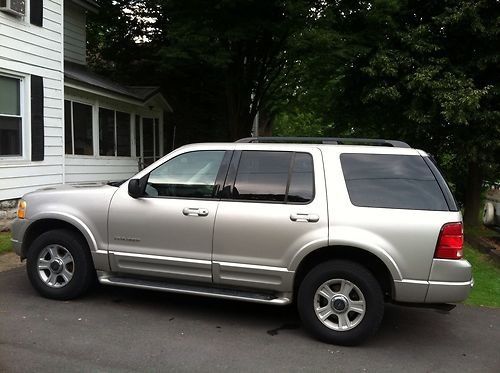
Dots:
pixel 21 209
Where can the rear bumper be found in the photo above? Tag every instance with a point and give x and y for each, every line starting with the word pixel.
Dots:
pixel 448 292
pixel 450 281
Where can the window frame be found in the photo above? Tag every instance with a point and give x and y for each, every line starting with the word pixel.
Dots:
pixel 219 179
pixel 96 105
pixel 227 189
pixel 24 113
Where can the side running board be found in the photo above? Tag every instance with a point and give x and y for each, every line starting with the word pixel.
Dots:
pixel 207 291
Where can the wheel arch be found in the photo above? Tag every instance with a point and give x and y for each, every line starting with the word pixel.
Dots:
pixel 58 221
pixel 366 258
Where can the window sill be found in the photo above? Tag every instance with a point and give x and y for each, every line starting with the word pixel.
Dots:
pixel 107 157
pixel 16 161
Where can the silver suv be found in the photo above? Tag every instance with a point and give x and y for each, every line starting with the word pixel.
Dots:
pixel 337 225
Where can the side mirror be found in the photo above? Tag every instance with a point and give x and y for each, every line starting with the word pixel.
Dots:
pixel 135 189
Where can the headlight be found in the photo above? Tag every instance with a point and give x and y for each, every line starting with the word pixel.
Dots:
pixel 21 209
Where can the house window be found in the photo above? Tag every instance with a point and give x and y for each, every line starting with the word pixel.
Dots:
pixel 78 128
pixel 10 117
pixel 114 133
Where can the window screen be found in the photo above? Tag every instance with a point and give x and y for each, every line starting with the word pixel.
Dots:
pixel 122 134
pixel 82 129
pixel 391 181
pixel 68 130
pixel 106 132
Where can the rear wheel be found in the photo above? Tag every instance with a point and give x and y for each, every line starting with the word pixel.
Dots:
pixel 59 265
pixel 340 302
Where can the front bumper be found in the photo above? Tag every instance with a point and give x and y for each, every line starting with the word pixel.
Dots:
pixel 18 228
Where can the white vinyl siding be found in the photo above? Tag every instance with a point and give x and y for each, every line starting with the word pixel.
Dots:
pixel 74 33
pixel 96 169
pixel 27 50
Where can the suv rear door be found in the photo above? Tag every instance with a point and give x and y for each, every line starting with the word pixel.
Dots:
pixel 273 204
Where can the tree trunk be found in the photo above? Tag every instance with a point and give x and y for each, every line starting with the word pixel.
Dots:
pixel 239 119
pixel 473 193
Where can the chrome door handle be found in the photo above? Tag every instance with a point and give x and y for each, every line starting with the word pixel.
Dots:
pixel 300 217
pixel 194 211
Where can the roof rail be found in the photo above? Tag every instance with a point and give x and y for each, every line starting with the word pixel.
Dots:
pixel 326 140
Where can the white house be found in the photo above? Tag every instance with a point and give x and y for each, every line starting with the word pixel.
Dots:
pixel 60 122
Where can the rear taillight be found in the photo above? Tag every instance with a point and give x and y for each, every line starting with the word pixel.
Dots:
pixel 450 242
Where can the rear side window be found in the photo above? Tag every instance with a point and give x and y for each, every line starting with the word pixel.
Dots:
pixel 391 181
pixel 274 176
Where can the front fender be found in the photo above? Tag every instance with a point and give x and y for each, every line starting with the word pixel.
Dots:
pixel 73 220
pixel 99 256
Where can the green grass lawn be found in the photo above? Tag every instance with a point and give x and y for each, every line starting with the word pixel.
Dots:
pixel 5 242
pixel 479 231
pixel 486 290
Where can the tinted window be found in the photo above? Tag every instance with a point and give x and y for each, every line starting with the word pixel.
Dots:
pixel 391 181
pixel 188 175
pixel 262 176
pixel 302 179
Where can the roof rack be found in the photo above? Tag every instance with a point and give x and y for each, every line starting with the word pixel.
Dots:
pixel 326 140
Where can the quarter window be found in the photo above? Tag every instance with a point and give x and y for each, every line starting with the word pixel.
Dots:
pixel 391 181
pixel 10 117
pixel 274 176
pixel 189 175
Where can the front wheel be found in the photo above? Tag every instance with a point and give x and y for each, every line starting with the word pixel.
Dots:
pixel 340 302
pixel 59 265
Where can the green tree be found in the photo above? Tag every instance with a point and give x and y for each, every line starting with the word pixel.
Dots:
pixel 241 42
pixel 422 71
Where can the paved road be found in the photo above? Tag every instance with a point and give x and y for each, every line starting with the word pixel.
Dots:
pixel 116 329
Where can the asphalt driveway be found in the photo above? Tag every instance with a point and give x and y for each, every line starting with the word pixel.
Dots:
pixel 116 329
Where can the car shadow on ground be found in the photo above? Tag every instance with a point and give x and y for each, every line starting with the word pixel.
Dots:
pixel 401 324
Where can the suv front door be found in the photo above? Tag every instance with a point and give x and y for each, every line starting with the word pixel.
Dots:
pixel 168 232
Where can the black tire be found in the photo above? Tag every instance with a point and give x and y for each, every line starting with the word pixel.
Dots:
pixel 83 274
pixel 365 282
